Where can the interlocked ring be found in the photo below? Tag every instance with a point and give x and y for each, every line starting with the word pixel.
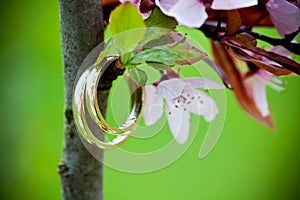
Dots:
pixel 85 105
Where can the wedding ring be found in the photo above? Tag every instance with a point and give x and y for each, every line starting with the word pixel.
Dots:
pixel 92 100
pixel 87 112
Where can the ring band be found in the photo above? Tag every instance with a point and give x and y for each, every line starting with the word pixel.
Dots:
pixel 92 100
pixel 85 105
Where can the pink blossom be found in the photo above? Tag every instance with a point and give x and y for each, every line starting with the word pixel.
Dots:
pixel 181 99
pixel 191 13
pixel 260 80
pixel 232 4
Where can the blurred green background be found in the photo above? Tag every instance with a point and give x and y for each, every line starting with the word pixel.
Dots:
pixel 248 162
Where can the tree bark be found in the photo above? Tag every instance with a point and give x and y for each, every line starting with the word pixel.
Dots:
pixel 81 31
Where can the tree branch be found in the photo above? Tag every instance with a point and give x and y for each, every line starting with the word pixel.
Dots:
pixel 81 30
pixel 209 31
pixel 292 47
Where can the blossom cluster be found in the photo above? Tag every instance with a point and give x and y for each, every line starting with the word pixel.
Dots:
pixel 228 25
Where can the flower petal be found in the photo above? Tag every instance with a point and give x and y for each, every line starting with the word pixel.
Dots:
pixel 274 86
pixel 280 50
pixel 153 107
pixel 165 5
pixel 232 4
pixel 259 95
pixel 284 15
pixel 204 83
pixel 199 103
pixel 179 122
pixel 170 89
pixel 131 1
pixel 188 13
pixel 269 79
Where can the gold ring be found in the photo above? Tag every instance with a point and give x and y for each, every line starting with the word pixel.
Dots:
pixel 85 105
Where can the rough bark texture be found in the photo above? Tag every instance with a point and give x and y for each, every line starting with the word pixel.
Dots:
pixel 81 31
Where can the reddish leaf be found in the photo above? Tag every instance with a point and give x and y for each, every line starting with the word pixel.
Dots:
pixel 234 22
pixel 246 40
pixel 220 72
pixel 254 15
pixel 282 60
pixel 241 55
pixel 110 2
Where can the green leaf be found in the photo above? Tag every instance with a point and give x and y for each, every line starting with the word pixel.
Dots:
pixel 158 66
pixel 170 39
pixel 153 33
pixel 158 24
pixel 159 19
pixel 180 54
pixel 138 75
pixel 127 28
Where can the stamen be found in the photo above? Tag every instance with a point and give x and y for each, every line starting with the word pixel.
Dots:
pixel 276 87
pixel 276 80
pixel 181 99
